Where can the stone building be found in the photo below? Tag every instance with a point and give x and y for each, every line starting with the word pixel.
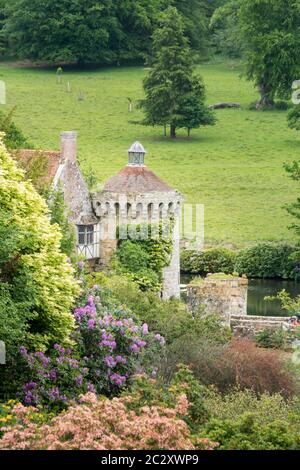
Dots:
pixel 134 196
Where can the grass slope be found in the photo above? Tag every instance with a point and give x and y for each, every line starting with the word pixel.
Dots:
pixel 235 168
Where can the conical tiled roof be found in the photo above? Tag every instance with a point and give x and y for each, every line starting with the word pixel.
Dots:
pixel 136 179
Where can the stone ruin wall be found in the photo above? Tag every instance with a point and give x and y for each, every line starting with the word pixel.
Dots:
pixel 225 297
pixel 228 298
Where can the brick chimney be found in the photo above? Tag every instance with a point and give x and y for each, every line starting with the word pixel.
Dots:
pixel 69 146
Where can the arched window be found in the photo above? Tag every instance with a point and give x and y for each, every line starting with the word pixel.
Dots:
pixel 161 210
pixel 139 210
pixel 129 210
pixel 150 211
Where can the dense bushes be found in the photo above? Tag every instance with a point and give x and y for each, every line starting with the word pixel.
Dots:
pixel 265 260
pixel 268 260
pixel 108 346
pixel 214 260
pixel 99 424
pixel 36 281
pixel 238 363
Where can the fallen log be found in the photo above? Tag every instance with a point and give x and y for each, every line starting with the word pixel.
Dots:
pixel 224 105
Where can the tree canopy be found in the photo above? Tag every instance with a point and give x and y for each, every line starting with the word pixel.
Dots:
pixel 174 93
pixel 95 31
pixel 270 30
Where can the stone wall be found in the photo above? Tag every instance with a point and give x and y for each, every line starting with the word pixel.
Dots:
pixel 224 296
pixel 250 325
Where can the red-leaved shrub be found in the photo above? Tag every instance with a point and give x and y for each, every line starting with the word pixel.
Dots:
pixel 259 369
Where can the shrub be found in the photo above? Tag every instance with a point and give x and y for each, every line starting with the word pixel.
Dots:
pixel 54 379
pixel 113 343
pixel 236 364
pixel 101 424
pixel 267 260
pixel 214 260
pixel 109 347
pixel 247 433
pixel 271 339
pixel 266 408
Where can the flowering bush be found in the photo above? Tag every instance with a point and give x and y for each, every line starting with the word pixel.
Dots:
pixel 113 343
pixel 109 347
pixel 99 424
pixel 54 380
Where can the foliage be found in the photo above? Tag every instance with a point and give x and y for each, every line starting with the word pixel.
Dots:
pixel 236 364
pixel 3 38
pixel 32 269
pixel 265 407
pixel 55 379
pixel 271 339
pixel 247 433
pixel 145 253
pixel 214 260
pixel 35 168
pixel 171 319
pixel 14 137
pixel 294 118
pixel 58 212
pixel 225 30
pixel 9 415
pixel 89 32
pixel 174 94
pixel 112 342
pixel 270 32
pixel 101 424
pixel 268 260
pixel 293 209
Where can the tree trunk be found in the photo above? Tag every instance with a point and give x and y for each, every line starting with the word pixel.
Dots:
pixel 165 130
pixel 189 132
pixel 173 132
pixel 266 98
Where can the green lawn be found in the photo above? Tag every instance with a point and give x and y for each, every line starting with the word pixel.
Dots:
pixel 235 168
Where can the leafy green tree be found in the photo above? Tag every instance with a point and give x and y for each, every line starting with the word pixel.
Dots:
pixel 3 41
pixel 270 30
pixel 35 275
pixel 225 30
pixel 196 22
pixel 62 30
pixel 14 137
pixel 83 31
pixel 174 93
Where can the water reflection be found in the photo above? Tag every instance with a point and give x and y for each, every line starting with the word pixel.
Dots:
pixel 261 288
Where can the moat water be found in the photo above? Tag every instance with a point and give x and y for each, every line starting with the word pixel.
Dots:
pixel 261 288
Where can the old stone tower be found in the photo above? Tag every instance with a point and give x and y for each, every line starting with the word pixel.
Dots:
pixel 134 196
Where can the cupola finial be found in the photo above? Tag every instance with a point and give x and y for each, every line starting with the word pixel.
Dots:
pixel 136 155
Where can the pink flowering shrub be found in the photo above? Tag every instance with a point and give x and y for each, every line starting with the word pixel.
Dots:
pixel 110 346
pixel 103 424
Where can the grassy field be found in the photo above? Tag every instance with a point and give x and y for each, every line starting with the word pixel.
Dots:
pixel 235 168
